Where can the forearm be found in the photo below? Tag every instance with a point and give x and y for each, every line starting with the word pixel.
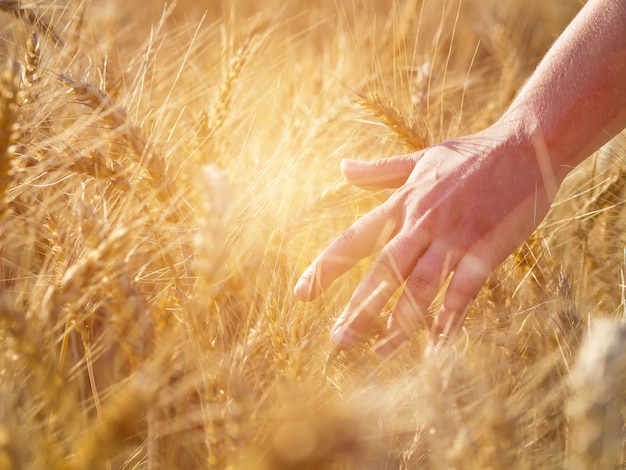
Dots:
pixel 576 99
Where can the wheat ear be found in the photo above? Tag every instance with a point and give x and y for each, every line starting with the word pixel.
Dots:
pixel 30 74
pixel 385 111
pixel 8 130
pixel 118 118
pixel 598 386
pixel 97 165
pixel 224 97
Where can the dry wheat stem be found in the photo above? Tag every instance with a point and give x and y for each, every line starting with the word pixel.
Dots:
pixel 32 17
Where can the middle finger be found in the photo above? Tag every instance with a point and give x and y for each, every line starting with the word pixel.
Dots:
pixel 388 272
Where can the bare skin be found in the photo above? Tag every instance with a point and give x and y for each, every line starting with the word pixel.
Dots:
pixel 463 206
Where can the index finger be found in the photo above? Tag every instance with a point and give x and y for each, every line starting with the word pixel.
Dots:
pixel 366 236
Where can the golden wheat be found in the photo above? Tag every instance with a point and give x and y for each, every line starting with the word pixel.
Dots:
pixel 174 170
pixel 385 112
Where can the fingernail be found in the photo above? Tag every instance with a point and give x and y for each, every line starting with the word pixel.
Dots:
pixel 302 288
pixel 347 162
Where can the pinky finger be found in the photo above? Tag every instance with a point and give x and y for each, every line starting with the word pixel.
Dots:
pixel 468 279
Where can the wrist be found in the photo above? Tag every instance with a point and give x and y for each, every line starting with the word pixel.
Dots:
pixel 541 140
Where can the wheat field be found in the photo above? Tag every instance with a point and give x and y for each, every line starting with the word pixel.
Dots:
pixel 167 171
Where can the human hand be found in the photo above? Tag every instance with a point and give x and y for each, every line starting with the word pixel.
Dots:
pixel 460 209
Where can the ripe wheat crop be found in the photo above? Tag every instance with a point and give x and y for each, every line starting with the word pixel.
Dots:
pixel 168 170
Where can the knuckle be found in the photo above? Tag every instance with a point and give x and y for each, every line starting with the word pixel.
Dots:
pixel 423 280
pixel 467 289
pixel 462 294
pixel 347 238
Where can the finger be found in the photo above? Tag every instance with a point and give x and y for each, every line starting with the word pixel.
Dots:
pixel 380 174
pixel 387 274
pixel 366 236
pixel 468 279
pixel 409 314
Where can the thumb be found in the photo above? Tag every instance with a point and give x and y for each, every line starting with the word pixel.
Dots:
pixel 380 174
